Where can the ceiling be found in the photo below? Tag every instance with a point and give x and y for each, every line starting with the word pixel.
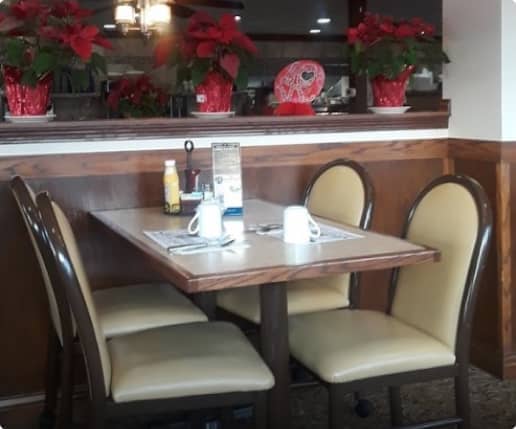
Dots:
pixel 299 16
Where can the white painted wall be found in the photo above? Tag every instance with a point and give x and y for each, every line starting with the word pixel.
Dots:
pixel 509 70
pixel 472 34
pixel 118 145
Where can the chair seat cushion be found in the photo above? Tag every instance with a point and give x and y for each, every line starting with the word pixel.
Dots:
pixel 185 360
pixel 347 345
pixel 303 296
pixel 128 309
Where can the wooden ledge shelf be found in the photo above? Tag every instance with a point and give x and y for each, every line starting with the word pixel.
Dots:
pixel 124 129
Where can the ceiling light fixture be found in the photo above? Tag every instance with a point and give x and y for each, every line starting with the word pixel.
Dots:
pixel 315 31
pixel 151 16
pixel 323 21
pixel 238 18
pixel 110 26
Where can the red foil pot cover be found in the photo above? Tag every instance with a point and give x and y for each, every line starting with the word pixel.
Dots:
pixel 24 99
pixel 214 93
pixel 390 92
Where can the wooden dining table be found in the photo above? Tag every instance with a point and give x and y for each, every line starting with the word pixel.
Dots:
pixel 262 260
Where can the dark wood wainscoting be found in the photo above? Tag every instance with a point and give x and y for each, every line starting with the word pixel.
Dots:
pixel 399 169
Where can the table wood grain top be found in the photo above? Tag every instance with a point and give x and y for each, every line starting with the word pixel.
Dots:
pixel 267 259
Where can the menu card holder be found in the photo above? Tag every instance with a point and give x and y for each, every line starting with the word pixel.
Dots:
pixel 227 176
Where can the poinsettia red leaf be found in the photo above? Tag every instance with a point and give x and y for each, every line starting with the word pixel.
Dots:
pixel 200 17
pixel 206 49
pixel 404 31
pixel 70 8
pixel 387 27
pixel 103 42
pixel 163 50
pixel 188 49
pixel 89 32
pixel 227 22
pixel 352 34
pixel 207 33
pixel 113 99
pixel 230 63
pixel 245 43
pixel 82 47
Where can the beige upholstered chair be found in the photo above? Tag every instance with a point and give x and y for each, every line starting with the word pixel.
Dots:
pixel 187 366
pixel 121 310
pixel 426 333
pixel 341 191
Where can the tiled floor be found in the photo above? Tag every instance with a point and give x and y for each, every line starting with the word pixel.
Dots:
pixel 493 406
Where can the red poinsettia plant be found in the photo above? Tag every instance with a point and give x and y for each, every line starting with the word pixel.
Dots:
pixel 208 46
pixel 43 38
pixel 381 46
pixel 137 98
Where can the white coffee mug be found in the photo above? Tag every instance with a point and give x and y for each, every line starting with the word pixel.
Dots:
pixel 207 222
pixel 298 226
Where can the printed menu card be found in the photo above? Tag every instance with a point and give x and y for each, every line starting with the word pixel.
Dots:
pixel 227 176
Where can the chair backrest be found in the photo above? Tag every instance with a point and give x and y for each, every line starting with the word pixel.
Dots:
pixel 72 276
pixel 342 191
pixel 26 201
pixel 452 214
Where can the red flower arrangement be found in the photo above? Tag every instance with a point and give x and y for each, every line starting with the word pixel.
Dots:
pixel 383 47
pixel 137 98
pixel 207 46
pixel 45 38
pixel 213 55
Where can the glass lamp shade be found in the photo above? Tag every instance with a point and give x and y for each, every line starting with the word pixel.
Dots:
pixel 125 14
pixel 159 14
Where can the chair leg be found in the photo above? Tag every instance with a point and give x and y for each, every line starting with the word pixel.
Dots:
pixel 64 419
pixel 337 411
pixel 462 399
pixel 260 411
pixel 395 405
pixel 48 415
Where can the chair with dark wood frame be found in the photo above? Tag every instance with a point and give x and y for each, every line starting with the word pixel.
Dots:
pixel 164 305
pixel 73 297
pixel 338 361
pixel 340 191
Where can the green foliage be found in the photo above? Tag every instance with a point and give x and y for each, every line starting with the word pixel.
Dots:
pixel 199 69
pixel 32 45
pixel 390 56
pixel 148 108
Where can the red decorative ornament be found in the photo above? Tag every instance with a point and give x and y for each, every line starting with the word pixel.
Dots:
pixel 294 109
pixel 296 86
pixel 214 93
pixel 24 99
pixel 390 92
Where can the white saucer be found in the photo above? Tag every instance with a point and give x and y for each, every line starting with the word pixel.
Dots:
pixel 29 119
pixel 389 110
pixel 213 115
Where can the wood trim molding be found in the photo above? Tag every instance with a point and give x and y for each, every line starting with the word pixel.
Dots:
pixel 503 248
pixel 474 149
pixel 75 165
pixel 122 129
